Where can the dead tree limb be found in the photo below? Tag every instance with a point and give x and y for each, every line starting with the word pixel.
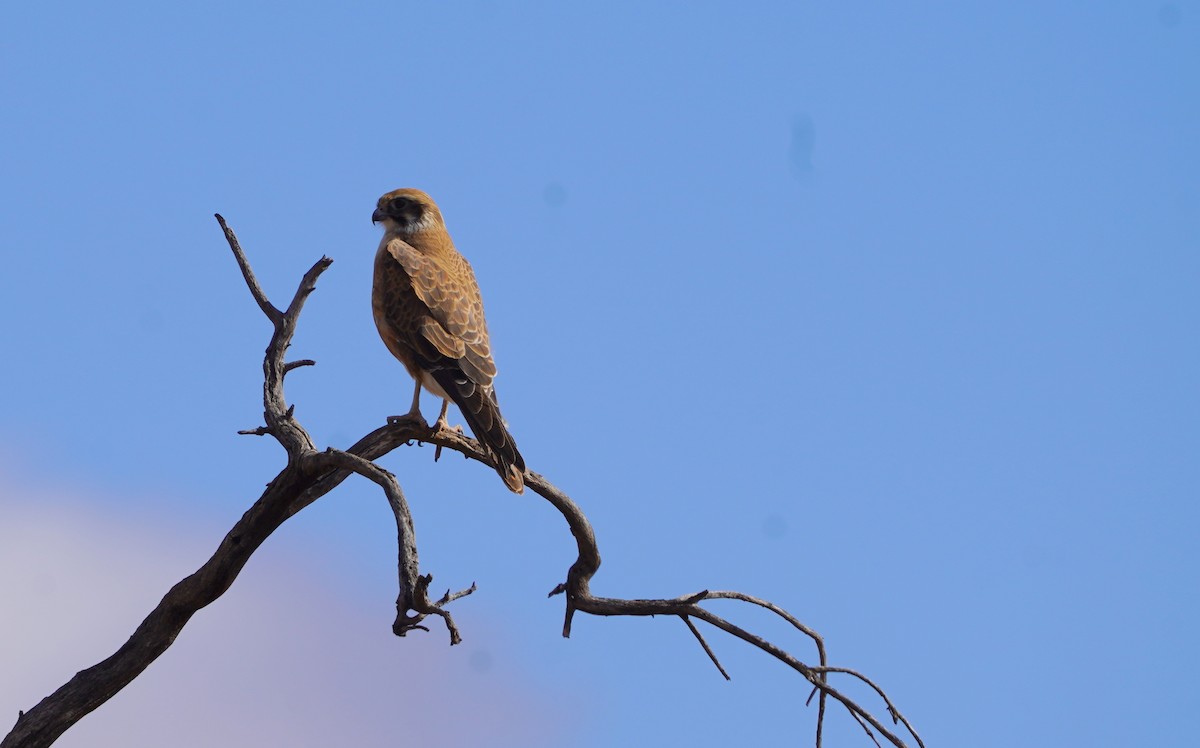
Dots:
pixel 311 473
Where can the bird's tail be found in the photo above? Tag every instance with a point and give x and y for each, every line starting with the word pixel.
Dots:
pixel 482 413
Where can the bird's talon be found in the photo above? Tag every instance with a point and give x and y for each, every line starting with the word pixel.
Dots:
pixel 445 426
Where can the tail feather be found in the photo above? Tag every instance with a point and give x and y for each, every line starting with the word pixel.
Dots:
pixel 482 413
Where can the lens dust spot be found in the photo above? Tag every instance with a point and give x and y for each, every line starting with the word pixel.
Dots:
pixel 481 661
pixel 804 141
pixel 774 526
pixel 555 194
pixel 1169 15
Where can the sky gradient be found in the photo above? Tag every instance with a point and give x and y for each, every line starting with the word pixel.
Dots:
pixel 887 314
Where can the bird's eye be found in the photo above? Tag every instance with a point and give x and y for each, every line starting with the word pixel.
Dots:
pixel 406 210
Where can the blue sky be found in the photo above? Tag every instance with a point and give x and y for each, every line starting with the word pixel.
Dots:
pixel 884 312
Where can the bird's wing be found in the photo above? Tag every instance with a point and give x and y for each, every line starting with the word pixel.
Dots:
pixel 456 351
pixel 456 326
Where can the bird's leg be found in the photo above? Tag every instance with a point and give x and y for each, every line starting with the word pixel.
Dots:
pixel 414 413
pixel 441 420
pixel 442 423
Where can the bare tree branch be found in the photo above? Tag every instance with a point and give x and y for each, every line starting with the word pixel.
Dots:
pixel 707 649
pixel 310 474
pixel 256 291
pixel 297 364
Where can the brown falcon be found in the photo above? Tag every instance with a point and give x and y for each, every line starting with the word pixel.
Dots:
pixel 429 313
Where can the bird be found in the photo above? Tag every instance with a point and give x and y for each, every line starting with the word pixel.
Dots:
pixel 429 312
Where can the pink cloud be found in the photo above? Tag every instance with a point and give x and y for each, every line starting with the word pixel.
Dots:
pixel 283 658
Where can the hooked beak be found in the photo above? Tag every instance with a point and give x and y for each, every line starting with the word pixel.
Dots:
pixel 378 215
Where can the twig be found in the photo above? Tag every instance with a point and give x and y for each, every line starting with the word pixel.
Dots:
pixel 892 710
pixel 297 364
pixel 817 640
pixel 256 291
pixel 707 649
pixel 451 597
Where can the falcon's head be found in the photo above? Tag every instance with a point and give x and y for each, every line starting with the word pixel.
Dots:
pixel 407 211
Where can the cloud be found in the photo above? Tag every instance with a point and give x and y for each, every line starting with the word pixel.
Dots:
pixel 284 658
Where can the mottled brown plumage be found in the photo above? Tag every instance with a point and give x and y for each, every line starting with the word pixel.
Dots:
pixel 429 312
